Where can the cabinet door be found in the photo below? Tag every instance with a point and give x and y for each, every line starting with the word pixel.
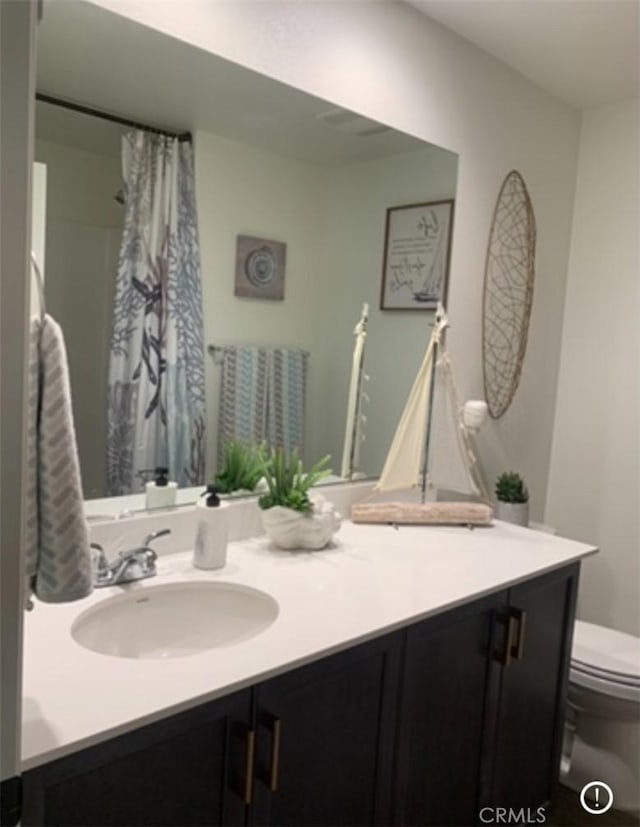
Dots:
pixel 449 679
pixel 533 693
pixel 325 735
pixel 186 770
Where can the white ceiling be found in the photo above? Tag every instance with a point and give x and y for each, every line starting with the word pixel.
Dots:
pixel 584 52
pixel 103 60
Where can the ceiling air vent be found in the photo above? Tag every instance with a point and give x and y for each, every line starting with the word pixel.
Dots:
pixel 352 124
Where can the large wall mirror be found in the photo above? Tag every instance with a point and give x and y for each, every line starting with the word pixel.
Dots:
pixel 270 162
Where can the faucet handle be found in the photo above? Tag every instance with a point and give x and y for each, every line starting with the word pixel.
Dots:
pixel 154 535
pixel 147 559
pixel 99 559
pixel 99 564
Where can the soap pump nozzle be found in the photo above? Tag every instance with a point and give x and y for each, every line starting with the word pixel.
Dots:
pixel 161 476
pixel 212 498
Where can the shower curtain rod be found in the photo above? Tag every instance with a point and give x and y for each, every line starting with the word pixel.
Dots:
pixel 107 116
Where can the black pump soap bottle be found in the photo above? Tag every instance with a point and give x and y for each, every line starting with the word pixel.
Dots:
pixel 210 497
pixel 161 492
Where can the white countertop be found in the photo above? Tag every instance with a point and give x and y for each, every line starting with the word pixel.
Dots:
pixel 374 580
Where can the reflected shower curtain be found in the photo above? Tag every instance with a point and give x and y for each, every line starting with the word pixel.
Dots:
pixel 156 401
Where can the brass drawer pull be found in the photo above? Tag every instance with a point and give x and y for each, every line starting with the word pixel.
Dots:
pixel 248 768
pixel 271 777
pixel 519 616
pixel 275 755
pixel 506 655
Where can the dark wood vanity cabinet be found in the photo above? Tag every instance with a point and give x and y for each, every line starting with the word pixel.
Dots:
pixel 448 686
pixel 527 741
pixel 310 747
pixel 188 769
pixel 482 704
pixel 325 740
pixel 423 726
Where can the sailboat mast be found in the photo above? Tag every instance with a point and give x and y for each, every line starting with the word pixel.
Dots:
pixel 352 437
pixel 357 416
pixel 429 422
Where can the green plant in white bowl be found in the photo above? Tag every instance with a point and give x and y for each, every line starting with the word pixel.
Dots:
pixel 291 517
pixel 288 483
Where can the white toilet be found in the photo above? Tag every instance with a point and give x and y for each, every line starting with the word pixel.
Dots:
pixel 602 733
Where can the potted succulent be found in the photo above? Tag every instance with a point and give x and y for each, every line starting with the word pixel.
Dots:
pixel 512 499
pixel 243 468
pixel 293 519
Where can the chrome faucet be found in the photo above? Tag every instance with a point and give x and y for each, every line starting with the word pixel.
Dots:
pixel 135 564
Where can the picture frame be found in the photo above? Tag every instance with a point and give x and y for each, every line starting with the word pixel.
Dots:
pixel 417 252
pixel 260 264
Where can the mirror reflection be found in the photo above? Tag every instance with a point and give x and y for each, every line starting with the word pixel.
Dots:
pixel 281 200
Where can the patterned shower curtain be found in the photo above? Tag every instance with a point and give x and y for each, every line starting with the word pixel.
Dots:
pixel 156 401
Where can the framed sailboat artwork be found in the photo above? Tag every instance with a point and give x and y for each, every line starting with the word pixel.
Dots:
pixel 417 250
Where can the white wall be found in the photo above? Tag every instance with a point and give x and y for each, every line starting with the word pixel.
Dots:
pixel 389 62
pixel 593 485
pixel 359 196
pixel 38 231
pixel 17 65
pixel 332 220
pixel 84 229
pixel 243 190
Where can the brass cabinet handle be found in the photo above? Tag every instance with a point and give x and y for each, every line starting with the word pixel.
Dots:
pixel 520 617
pixel 506 655
pixel 248 767
pixel 275 755
pixel 272 723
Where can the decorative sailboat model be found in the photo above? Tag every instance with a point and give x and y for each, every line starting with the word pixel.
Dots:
pixel 431 449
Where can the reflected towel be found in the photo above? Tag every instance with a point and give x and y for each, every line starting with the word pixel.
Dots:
pixel 262 397
pixel 243 397
pixel 286 393
pixel 58 562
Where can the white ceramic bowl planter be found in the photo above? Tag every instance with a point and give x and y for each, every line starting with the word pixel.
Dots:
pixel 288 529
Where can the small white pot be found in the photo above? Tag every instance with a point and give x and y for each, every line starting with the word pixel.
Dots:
pixel 517 513
pixel 288 529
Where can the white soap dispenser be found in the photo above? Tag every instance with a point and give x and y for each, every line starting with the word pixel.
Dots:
pixel 210 547
pixel 161 492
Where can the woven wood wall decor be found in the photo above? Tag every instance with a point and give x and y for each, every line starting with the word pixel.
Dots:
pixel 508 293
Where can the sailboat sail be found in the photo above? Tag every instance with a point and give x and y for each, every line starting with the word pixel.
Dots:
pixel 452 463
pixel 404 460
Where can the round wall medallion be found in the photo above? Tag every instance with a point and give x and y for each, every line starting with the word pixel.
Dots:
pixel 508 293
pixel 260 267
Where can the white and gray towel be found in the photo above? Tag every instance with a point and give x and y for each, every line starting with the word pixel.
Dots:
pixel 58 562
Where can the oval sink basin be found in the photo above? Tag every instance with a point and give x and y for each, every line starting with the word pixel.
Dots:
pixel 174 620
